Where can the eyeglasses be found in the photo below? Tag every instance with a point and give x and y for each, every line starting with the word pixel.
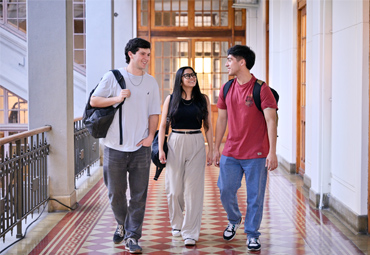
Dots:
pixel 189 75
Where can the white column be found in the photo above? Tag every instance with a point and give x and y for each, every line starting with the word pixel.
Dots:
pixel 50 76
pixel 99 41
pixel 124 29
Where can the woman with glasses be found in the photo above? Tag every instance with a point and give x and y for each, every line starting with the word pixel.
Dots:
pixel 189 111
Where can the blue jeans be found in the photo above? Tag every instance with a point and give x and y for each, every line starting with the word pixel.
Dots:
pixel 116 165
pixel 229 181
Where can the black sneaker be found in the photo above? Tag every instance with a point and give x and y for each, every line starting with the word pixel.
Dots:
pixel 132 246
pixel 119 235
pixel 230 230
pixel 253 244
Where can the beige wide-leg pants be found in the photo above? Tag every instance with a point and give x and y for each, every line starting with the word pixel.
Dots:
pixel 185 167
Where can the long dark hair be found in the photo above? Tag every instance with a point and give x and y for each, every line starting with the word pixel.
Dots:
pixel 198 98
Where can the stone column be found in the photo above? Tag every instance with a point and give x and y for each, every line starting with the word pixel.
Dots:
pixel 50 78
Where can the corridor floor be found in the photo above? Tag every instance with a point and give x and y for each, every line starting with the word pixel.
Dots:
pixel 289 225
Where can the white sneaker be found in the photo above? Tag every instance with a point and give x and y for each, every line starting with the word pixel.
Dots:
pixel 176 232
pixel 231 229
pixel 189 242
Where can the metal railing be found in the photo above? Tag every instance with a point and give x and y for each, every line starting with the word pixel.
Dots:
pixel 23 177
pixel 86 149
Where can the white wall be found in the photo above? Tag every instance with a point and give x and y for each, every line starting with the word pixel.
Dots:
pixel 350 103
pixel 283 77
pixel 124 29
pixel 13 63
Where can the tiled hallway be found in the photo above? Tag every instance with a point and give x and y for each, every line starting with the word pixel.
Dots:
pixel 289 226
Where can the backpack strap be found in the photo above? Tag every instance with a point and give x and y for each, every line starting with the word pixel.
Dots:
pixel 257 94
pixel 227 87
pixel 122 83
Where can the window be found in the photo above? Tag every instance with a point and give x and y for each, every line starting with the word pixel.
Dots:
pixel 79 35
pixel 13 16
pixel 13 113
pixel 193 33
pixel 184 14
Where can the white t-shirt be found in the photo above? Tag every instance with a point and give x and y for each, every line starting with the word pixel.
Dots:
pixel 143 102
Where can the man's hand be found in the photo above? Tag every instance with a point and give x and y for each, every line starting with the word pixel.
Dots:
pixel 125 93
pixel 146 142
pixel 271 162
pixel 216 158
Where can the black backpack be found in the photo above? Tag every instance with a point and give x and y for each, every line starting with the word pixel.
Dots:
pixel 98 120
pixel 256 92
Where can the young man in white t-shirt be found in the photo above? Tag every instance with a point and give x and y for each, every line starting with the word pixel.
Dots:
pixel 140 114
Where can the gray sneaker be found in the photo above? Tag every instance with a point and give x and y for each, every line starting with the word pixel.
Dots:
pixel 132 246
pixel 119 235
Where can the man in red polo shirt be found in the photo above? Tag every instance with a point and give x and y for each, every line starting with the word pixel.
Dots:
pixel 250 148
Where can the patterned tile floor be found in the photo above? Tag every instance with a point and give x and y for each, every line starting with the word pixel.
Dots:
pixel 289 226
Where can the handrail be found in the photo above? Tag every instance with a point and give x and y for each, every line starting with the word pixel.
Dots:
pixel 22 135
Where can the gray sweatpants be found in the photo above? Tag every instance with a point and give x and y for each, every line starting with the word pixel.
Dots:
pixel 116 165
pixel 185 167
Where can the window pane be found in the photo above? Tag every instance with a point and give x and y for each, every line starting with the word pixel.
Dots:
pixel 158 49
pixel 158 19
pixel 1 10
pixel 158 5
pixel 79 26
pixel 79 57
pixel 144 5
pixel 22 11
pixel 198 19
pixel 78 11
pixel 215 5
pixel 158 66
pixel 224 48
pixel 166 19
pixel 79 41
pixel 238 18
pixel 198 5
pixel 207 5
pixel 144 19
pixel 166 5
pixel 215 19
pixel 224 5
pixel 12 11
pixel 175 5
pixel 22 25
pixel 2 117
pixel 184 5
pixel 166 65
pixel 224 19
pixel 166 49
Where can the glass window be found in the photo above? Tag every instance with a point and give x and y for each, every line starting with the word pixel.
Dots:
pixel 169 13
pixel 13 15
pixel 79 35
pixel 13 110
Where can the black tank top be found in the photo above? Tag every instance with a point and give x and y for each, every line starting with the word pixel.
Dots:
pixel 188 116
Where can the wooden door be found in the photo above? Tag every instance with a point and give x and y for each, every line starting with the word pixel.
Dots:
pixel 301 89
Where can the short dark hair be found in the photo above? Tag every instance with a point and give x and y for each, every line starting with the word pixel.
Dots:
pixel 133 45
pixel 242 51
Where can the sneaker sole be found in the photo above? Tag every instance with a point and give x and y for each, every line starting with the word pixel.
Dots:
pixel 252 249
pixel 123 241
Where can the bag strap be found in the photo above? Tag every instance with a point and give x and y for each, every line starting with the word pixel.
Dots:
pixel 168 117
pixel 257 94
pixel 227 87
pixel 122 83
